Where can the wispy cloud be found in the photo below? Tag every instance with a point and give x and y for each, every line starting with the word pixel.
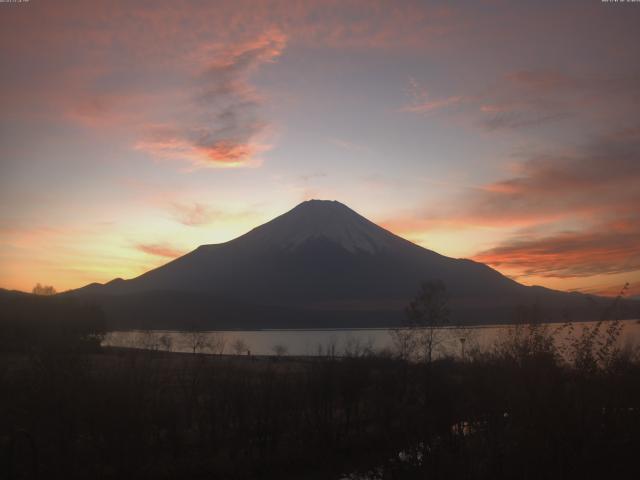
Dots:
pixel 159 250
pixel 606 249
pixel 222 127
pixel 612 289
pixel 600 178
pixel 348 145
pixel 529 98
pixel 312 176
pixel 576 202
pixel 594 188
pixel 194 214
pixel 423 102
pixel 173 95
pixel 182 86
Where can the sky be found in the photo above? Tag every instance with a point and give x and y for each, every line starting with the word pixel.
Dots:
pixel 506 132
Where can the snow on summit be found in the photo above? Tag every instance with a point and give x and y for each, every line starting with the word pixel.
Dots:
pixel 324 219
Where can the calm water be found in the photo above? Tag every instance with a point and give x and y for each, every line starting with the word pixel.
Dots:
pixel 335 341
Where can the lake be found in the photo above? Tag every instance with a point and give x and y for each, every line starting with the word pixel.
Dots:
pixel 450 340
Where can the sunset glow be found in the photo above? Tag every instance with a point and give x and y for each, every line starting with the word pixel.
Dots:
pixel 506 132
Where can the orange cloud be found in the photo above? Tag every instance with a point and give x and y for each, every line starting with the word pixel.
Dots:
pixel 219 124
pixel 189 67
pixel 221 153
pixel 610 247
pixel 594 189
pixel 632 289
pixel 67 256
pixel 160 250
pixel 195 82
pixel 568 254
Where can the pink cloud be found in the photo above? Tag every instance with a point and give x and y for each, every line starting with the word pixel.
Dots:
pixel 197 82
pixel 604 249
pixel 219 124
pixel 594 188
pixel 160 250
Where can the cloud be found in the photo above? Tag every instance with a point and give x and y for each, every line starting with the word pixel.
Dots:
pixel 194 214
pixel 198 214
pixel 575 211
pixel 181 88
pixel 632 289
pixel 160 250
pixel 168 143
pixel 595 188
pixel 174 93
pixel 348 145
pixel 312 176
pixel 522 99
pixel 599 179
pixel 542 81
pixel 422 101
pixel 222 127
pixel 589 186
pixel 607 249
pixel 226 128
pixel 527 98
pixel 519 119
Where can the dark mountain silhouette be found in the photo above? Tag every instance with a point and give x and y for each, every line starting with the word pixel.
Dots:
pixel 319 265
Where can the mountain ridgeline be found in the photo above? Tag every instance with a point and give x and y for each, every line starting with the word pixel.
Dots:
pixel 319 265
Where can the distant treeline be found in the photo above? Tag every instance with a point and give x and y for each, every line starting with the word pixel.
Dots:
pixel 35 322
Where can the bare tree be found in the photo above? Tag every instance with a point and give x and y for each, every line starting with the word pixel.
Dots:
pixel 356 347
pixel 597 347
pixel 43 290
pixel 280 350
pixel 404 342
pixel 195 340
pixel 428 313
pixel 239 346
pixel 166 342
pixel 148 340
pixel 329 350
pixel 217 343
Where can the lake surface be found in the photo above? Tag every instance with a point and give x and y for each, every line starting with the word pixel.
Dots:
pixel 451 340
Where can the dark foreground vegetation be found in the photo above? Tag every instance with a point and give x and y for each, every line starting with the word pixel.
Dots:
pixel 34 323
pixel 527 409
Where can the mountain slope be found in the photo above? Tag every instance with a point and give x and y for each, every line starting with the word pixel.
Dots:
pixel 320 264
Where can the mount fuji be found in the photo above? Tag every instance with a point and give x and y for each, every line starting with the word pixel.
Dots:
pixel 319 265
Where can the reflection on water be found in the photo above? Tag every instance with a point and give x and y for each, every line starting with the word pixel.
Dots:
pixel 336 342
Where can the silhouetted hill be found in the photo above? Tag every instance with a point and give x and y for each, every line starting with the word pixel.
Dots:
pixel 32 322
pixel 319 265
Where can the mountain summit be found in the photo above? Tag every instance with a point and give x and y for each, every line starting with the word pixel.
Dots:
pixel 319 265
pixel 324 219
